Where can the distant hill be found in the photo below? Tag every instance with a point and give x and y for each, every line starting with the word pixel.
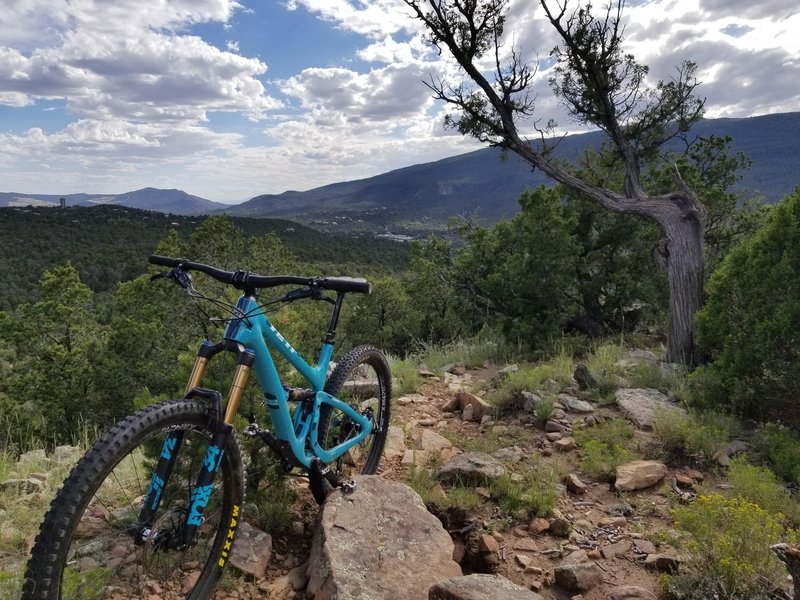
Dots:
pixel 482 182
pixel 176 202
pixel 109 244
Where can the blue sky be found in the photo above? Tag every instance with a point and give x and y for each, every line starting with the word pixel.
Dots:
pixel 228 100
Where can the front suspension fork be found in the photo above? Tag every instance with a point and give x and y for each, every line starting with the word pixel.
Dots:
pixel 221 428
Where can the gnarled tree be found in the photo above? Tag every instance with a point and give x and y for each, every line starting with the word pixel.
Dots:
pixel 601 86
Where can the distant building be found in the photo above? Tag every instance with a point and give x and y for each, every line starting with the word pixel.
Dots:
pixel 63 202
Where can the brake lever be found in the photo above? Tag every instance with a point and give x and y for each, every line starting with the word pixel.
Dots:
pixel 181 277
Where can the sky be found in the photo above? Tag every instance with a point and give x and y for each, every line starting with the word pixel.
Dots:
pixel 229 99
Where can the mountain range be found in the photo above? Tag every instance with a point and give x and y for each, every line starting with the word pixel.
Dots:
pixel 167 201
pixel 484 182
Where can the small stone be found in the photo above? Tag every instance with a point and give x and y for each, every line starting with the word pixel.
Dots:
pixel 522 560
pixel 594 554
pixel 644 546
pixel 573 404
pixel 695 474
pixel 617 549
pixel 684 481
pixel 437 492
pixel 559 527
pixel 427 422
pixel 539 525
pixel 639 474
pixel 483 492
pixel 721 458
pixel 663 563
pixel 565 444
pixel 467 413
pixel 575 485
pixel 525 544
pixel 578 578
pixel 430 440
pixel 631 592
pixel 451 405
pixel 551 426
pixel 533 570
pixel 554 436
pixel 547 451
pixel 613 521
pixel 487 543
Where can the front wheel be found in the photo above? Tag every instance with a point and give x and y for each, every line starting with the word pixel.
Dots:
pixel 86 548
pixel 363 380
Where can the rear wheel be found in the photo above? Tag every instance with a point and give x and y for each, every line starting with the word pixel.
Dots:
pixel 363 380
pixel 86 549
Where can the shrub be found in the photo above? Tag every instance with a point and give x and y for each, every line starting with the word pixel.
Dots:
pixel 781 448
pixel 760 485
pixel 527 379
pixel 749 323
pixel 603 447
pixel 696 435
pixel 407 376
pixel 730 550
pixel 535 494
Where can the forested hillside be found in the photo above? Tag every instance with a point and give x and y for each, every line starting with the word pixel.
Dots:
pixel 109 244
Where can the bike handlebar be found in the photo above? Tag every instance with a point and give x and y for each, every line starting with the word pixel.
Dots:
pixel 244 280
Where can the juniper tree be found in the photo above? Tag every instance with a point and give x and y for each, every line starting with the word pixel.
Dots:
pixel 601 86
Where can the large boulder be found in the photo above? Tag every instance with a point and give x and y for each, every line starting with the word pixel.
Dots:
pixel 378 542
pixel 471 467
pixel 642 405
pixel 480 586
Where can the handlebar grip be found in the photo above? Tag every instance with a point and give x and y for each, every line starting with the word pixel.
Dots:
pixel 165 261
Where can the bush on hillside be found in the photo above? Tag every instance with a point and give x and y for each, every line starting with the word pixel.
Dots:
pixel 749 324
pixel 730 550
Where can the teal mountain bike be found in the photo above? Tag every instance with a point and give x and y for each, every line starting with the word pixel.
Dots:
pixel 153 508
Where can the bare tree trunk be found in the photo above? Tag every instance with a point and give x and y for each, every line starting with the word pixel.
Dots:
pixel 682 253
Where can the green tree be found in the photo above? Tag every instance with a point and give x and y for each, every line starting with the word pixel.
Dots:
pixel 749 324
pixel 601 86
pixel 521 273
pixel 52 384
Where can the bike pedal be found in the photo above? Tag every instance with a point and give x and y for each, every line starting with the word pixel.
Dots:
pixel 251 430
pixel 348 487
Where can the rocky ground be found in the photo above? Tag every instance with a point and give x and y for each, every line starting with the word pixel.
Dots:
pixel 602 540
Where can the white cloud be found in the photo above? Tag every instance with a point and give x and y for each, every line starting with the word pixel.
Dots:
pixel 373 18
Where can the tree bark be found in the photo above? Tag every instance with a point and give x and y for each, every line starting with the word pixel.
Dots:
pixel 682 251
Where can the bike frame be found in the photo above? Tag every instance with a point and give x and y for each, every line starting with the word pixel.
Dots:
pixel 252 329
pixel 250 335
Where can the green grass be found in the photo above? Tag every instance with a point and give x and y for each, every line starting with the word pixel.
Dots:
pixel 604 447
pixel 780 447
pixel 487 346
pixel 406 374
pixel 761 486
pixel 695 435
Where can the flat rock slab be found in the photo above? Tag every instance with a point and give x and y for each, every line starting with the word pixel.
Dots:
pixel 471 467
pixel 378 543
pixel 642 405
pixel 631 592
pixel 480 586
pixel 639 474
